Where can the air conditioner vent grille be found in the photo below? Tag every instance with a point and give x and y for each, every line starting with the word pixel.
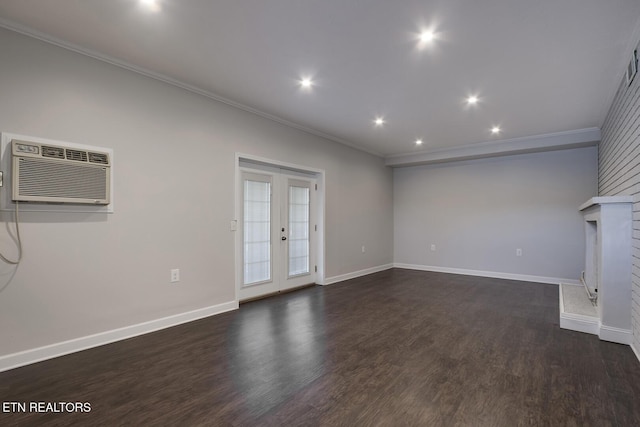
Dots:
pixel 77 155
pixel 62 180
pixel 54 152
pixel 43 173
pixel 100 158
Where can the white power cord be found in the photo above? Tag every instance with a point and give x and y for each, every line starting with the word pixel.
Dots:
pixel 7 260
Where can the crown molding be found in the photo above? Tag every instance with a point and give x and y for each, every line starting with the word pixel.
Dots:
pixel 529 144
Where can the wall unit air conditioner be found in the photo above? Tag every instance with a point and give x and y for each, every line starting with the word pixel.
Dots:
pixel 47 173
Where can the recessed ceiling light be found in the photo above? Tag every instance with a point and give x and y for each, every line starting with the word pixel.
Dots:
pixel 306 83
pixel 153 5
pixel 379 121
pixel 495 130
pixel 427 36
pixel 418 142
pixel 472 100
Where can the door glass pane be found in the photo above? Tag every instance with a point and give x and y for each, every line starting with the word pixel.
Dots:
pixel 298 230
pixel 257 231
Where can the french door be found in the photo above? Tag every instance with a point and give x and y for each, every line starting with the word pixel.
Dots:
pixel 278 232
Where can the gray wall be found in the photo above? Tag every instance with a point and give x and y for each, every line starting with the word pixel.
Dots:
pixel 174 197
pixel 479 212
pixel 619 173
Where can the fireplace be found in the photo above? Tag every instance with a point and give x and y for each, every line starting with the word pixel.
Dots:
pixel 602 305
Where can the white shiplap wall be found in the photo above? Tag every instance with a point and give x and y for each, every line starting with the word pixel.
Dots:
pixel 619 173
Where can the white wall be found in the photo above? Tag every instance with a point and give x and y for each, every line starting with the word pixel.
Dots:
pixel 619 174
pixel 479 212
pixel 174 197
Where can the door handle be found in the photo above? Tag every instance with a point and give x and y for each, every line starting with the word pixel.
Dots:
pixel 284 238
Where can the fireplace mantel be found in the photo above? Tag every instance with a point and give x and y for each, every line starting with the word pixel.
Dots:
pixel 605 200
pixel 608 231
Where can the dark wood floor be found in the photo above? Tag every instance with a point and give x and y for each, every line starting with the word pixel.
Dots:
pixel 396 348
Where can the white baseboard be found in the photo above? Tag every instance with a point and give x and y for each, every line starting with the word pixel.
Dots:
pixel 39 354
pixel 617 335
pixel 353 275
pixel 635 350
pixel 579 323
pixel 491 274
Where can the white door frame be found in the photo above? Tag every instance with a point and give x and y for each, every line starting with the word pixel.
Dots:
pixel 319 214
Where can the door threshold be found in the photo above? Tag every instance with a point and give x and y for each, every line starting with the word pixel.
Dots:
pixel 272 294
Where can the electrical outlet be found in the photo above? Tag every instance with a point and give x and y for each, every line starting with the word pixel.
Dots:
pixel 363 249
pixel 433 247
pixel 175 275
pixel 518 252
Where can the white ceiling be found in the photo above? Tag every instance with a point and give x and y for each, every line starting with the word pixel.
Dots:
pixel 538 66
